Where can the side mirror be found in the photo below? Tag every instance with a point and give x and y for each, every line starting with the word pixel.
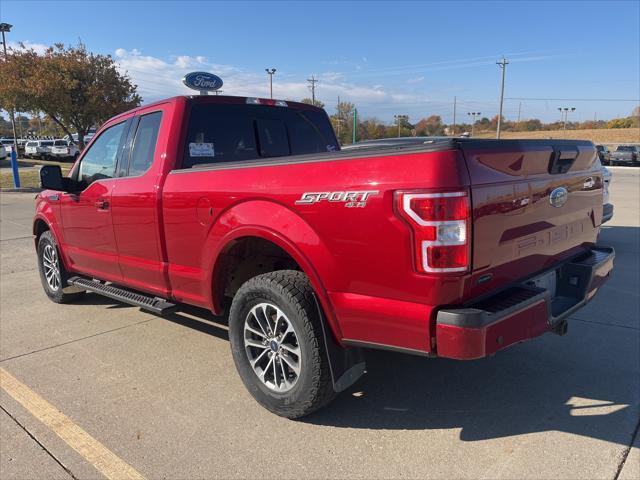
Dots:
pixel 51 178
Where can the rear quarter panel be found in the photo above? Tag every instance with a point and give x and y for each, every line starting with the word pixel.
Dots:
pixel 357 255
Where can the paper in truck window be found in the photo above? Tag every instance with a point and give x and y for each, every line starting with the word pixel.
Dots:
pixel 201 150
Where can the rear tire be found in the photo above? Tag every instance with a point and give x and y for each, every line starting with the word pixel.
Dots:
pixel 278 346
pixel 52 272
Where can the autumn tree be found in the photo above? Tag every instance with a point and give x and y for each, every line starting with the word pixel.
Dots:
pixel 76 89
pixel 316 103
pixel 430 126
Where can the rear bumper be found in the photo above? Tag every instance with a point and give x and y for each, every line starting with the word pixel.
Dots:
pixel 607 212
pixel 523 311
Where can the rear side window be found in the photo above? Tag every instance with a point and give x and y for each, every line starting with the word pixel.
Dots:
pixel 144 143
pixel 232 133
pixel 272 137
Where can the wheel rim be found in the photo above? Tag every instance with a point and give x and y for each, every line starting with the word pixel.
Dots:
pixel 272 347
pixel 51 267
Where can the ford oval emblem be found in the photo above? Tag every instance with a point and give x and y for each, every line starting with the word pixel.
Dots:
pixel 202 81
pixel 558 197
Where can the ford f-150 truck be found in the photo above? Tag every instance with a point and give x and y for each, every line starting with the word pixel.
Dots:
pixel 626 154
pixel 451 247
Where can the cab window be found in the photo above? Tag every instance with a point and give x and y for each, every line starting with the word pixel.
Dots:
pixel 144 143
pixel 100 160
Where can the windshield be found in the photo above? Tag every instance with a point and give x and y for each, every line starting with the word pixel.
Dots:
pixel 625 148
pixel 32 144
pixel 46 144
pixel 60 143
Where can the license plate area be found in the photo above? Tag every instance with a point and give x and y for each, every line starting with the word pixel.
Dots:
pixel 547 281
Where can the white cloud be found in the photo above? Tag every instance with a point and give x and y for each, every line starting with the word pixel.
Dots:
pixel 416 80
pixel 38 47
pixel 157 78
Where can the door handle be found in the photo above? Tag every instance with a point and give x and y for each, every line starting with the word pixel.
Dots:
pixel 102 204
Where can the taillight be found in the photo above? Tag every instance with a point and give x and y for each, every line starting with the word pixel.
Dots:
pixel 441 229
pixel 266 101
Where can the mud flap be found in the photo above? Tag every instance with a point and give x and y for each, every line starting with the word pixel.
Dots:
pixel 346 364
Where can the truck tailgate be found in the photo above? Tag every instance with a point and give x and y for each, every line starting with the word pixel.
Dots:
pixel 535 202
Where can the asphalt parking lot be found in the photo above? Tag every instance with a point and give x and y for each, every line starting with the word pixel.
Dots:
pixel 162 395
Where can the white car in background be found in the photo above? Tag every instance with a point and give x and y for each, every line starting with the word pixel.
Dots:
pixel 38 148
pixel 65 150
pixel 3 152
pixel 607 208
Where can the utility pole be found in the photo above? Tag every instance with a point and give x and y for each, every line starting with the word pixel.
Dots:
pixel 473 115
pixel 453 132
pixel 355 123
pixel 6 28
pixel 503 65
pixel 399 119
pixel 519 110
pixel 270 72
pixel 338 117
pixel 313 82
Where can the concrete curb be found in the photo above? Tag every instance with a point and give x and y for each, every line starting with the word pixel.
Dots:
pixel 20 190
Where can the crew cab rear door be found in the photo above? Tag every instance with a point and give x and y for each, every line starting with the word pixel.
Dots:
pixel 87 224
pixel 135 204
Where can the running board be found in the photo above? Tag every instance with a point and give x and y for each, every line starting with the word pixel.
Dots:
pixel 152 304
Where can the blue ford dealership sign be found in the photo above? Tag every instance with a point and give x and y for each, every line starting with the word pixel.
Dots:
pixel 202 81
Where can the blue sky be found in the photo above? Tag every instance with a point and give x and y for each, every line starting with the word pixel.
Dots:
pixel 386 57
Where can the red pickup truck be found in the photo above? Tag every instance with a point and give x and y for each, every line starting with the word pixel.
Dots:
pixel 449 247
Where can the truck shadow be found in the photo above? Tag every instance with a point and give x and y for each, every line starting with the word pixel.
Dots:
pixel 586 383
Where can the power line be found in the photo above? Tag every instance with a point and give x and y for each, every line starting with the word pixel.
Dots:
pixel 313 82
pixel 576 99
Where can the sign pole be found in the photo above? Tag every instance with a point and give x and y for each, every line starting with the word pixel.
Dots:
pixel 5 27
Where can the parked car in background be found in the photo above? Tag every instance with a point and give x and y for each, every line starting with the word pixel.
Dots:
pixel 7 143
pixel 3 152
pixel 65 150
pixel 604 154
pixel 607 208
pixel 38 148
pixel 87 137
pixel 626 154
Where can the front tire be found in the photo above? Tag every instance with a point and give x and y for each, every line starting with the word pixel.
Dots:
pixel 52 272
pixel 278 346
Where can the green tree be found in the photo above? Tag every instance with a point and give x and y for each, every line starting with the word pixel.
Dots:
pixel 342 122
pixel 76 89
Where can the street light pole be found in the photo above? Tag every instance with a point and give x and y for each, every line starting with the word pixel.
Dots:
pixel 5 27
pixel 270 72
pixel 399 118
pixel 503 65
pixel 473 122
pixel 564 116
pixel 453 132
